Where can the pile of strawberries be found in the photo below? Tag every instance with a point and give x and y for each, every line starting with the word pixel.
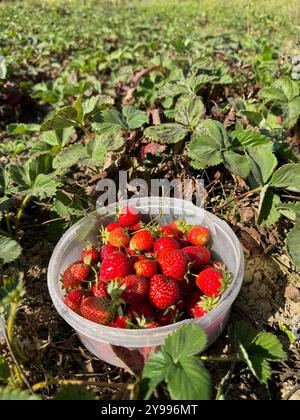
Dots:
pixel 145 275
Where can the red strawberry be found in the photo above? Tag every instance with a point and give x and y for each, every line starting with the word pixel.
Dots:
pixel 118 237
pixel 151 325
pixel 112 226
pixel 183 242
pixel 69 281
pixel 99 310
pixel 136 288
pixel 169 231
pixel 212 282
pixel 164 291
pixel 171 315
pixel 173 264
pixel 139 310
pixel 136 227
pixel 180 226
pixel 117 265
pixel 166 243
pixel 120 322
pixel 187 285
pixel 205 305
pixel 147 268
pixel 142 241
pixel 107 250
pixel 129 216
pixel 90 255
pixel 279 120
pixel 192 299
pixel 198 256
pixel 99 290
pixel 80 271
pixel 199 235
pixel 74 299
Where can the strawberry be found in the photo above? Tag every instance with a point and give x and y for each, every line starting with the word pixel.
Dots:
pixel 212 282
pixel 129 216
pixel 135 288
pixel 74 299
pixel 198 256
pixel 139 310
pixel 180 226
pixel 187 285
pixel 69 281
pixel 169 231
pixel 199 235
pixel 279 120
pixel 171 315
pixel 145 267
pixel 80 271
pixel 90 255
pixel 98 310
pixel 164 291
pixel 118 237
pixel 107 250
pixel 112 226
pixel 183 242
pixel 166 243
pixel 205 305
pixel 142 241
pixel 173 264
pixel 99 290
pixel 192 299
pixel 120 322
pixel 136 227
pixel 117 265
pixel 151 325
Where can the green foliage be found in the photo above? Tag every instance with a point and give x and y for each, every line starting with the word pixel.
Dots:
pixel 11 394
pixel 10 250
pixel 74 393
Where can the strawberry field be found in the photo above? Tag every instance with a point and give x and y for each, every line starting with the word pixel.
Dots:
pixel 170 90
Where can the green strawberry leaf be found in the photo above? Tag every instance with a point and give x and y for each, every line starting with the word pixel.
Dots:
pixel 11 394
pixel 10 250
pixel 109 121
pixel 189 111
pixel 134 117
pixel 17 129
pixel 96 153
pixel 293 245
pixel 290 210
pixel 4 369
pixel 166 133
pixel 236 163
pixel 69 156
pixel 74 393
pixel 155 372
pixel 112 142
pixel 248 138
pixel 66 207
pixel 287 177
pixel 263 163
pixel 268 213
pixel 63 118
pixel 43 187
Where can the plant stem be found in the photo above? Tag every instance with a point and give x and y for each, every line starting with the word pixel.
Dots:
pixel 8 225
pixel 11 321
pixel 239 197
pixel 22 208
pixel 219 359
pixel 45 384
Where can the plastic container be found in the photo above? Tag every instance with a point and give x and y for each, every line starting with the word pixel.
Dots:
pixel 105 342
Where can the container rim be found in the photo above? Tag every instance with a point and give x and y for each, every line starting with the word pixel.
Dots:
pixel 124 337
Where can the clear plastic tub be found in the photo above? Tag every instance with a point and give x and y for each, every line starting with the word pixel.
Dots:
pixel 105 342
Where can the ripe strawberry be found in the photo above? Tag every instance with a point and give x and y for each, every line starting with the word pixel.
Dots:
pixel 112 226
pixel 151 325
pixel 171 315
pixel 139 310
pixel 199 235
pixel 120 322
pixel 99 310
pixel 69 281
pixel 80 271
pixel 180 226
pixel 136 227
pixel 117 265
pixel 279 120
pixel 147 268
pixel 192 299
pixel 107 250
pixel 129 216
pixel 74 299
pixel 198 256
pixel 164 291
pixel 187 285
pixel 166 243
pixel 212 282
pixel 205 305
pixel 169 231
pixel 90 255
pixel 173 264
pixel 183 242
pixel 136 288
pixel 99 290
pixel 118 237
pixel 142 241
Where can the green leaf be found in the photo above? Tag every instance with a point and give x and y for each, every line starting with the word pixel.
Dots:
pixel 293 245
pixel 236 163
pixel 263 163
pixel 53 140
pixel 269 346
pixel 66 207
pixel 4 369
pixel 74 393
pixel 17 129
pixel 10 250
pixel 273 95
pixel 248 138
pixel 112 142
pixel 166 133
pixel 4 179
pixel 293 112
pixel 109 121
pixel 12 290
pixel 290 210
pixel 44 187
pixel 268 213
pixel 189 380
pixel 288 86
pixel 155 372
pixel 3 69
pixel 259 366
pixel 63 118
pixel 96 153
pixel 134 117
pixel 287 177
pixel 189 111
pixel 69 156
pixel 10 394
pixel 186 341
pixel 79 110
